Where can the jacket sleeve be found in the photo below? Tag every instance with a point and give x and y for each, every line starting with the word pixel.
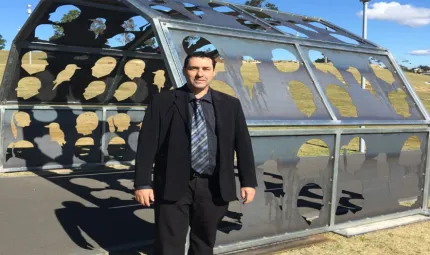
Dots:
pixel 147 146
pixel 244 151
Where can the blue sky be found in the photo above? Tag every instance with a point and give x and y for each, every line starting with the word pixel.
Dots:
pixel 402 26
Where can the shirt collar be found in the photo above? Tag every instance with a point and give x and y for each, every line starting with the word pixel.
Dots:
pixel 207 97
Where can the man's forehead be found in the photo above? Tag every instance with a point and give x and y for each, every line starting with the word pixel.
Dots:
pixel 200 61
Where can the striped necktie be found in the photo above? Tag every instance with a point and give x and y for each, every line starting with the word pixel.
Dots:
pixel 199 140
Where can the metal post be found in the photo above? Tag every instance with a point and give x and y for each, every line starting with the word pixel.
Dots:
pixel 363 79
pixel 318 87
pixel 2 114
pixel 335 180
pixel 427 176
pixel 103 137
pixel 29 13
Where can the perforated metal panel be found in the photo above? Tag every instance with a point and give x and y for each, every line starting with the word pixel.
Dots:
pixel 82 101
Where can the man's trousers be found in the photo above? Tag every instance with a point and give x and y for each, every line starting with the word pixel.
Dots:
pixel 201 209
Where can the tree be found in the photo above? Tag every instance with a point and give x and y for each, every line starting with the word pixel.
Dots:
pixel 128 25
pixel 322 60
pixel 2 43
pixel 259 4
pixel 271 6
pixel 424 68
pixel 68 17
pixel 98 26
pixel 404 68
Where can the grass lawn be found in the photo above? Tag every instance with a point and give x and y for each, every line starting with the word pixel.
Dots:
pixel 405 240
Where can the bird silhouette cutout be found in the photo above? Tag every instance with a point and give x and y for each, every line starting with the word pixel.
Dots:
pixel 57 135
pixel 65 75
pixel 159 79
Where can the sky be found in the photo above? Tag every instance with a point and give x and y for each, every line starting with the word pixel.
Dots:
pixel 401 26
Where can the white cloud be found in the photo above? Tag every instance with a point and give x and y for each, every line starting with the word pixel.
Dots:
pixel 406 14
pixel 420 52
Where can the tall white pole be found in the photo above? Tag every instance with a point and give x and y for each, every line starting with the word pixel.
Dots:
pixel 363 79
pixel 29 13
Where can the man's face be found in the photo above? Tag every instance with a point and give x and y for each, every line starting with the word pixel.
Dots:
pixel 199 72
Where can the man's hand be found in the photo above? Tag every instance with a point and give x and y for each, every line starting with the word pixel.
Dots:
pixel 144 196
pixel 247 194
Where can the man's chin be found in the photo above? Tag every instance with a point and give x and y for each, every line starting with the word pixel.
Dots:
pixel 200 85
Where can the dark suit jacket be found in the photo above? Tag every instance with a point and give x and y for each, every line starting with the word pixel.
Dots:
pixel 165 140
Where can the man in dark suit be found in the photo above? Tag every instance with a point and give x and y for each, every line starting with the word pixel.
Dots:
pixel 189 136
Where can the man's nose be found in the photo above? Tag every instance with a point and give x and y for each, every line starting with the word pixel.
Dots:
pixel 200 73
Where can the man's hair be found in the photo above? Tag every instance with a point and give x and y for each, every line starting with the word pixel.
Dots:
pixel 199 54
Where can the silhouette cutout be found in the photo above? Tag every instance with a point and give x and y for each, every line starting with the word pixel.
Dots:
pixel 84 147
pixel 134 68
pixel 159 79
pixel 65 75
pixel 116 148
pixel 38 65
pixel 19 149
pixel 104 66
pixel 86 123
pixel 249 66
pixel 341 99
pixel 28 87
pixel 303 97
pixel 125 90
pixel 98 26
pixel 94 89
pixel 57 135
pixel 20 119
pixel 120 121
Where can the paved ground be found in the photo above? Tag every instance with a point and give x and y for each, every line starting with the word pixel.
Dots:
pixel 71 214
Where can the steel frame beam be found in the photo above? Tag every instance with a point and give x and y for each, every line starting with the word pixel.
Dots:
pixel 409 88
pixel 95 5
pixel 161 30
pixel 427 177
pixel 87 50
pixel 316 19
pixel 315 81
pixel 10 74
pixel 334 180
pixel 262 36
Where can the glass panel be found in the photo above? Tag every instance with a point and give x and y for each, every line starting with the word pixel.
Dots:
pixel 121 137
pixel 37 138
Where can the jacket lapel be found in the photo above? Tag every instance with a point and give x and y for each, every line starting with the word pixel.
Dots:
pixel 181 103
pixel 219 108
